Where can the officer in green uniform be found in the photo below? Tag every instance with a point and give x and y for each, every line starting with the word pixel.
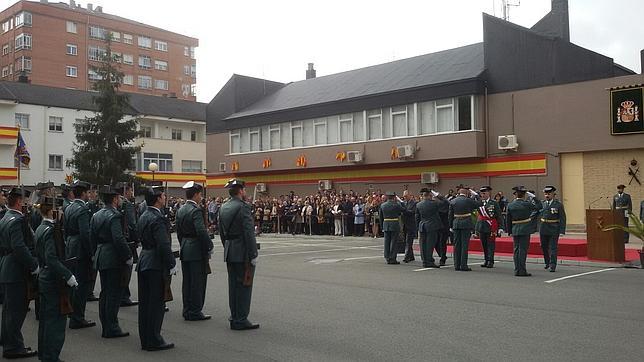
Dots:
pixel 237 232
pixel 488 225
pixel 429 225
pixel 623 202
pixel 128 210
pixel 67 194
pixel 16 263
pixel 113 259
pixel 460 219
pixel 43 189
pixel 196 249
pixel 154 268
pixel 553 224
pixel 3 211
pixel 519 221
pixel 390 212
pixel 54 276
pixel 78 245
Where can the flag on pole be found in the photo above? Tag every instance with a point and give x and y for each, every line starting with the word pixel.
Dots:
pixel 22 155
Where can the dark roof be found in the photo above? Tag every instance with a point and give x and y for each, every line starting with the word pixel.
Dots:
pixel 438 68
pixel 140 104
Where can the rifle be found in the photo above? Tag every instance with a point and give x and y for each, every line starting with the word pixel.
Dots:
pixel 204 212
pixel 64 298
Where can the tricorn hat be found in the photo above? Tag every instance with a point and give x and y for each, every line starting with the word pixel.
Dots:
pixel 235 183
pixel 520 188
pixel 549 189
pixel 20 191
pixel 44 185
pixel 108 190
pixel 192 185
pixel 621 186
pixel 424 190
pixel 81 185
pixel 390 194
pixel 485 188
pixel 52 201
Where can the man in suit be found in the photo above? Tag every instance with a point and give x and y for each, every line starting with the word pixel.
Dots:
pixel 622 201
pixel 196 249
pixel 488 225
pixel 460 219
pixel 16 265
pixel 553 224
pixel 520 219
pixel 409 225
pixel 429 225
pixel 128 210
pixel 113 260
pixel 240 253
pixel 155 267
pixel 390 212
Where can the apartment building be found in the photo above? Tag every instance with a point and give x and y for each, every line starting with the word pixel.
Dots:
pixel 56 44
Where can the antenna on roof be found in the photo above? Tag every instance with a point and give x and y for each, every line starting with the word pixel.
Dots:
pixel 506 4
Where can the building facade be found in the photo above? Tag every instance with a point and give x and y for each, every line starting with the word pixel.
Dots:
pixel 525 106
pixel 174 133
pixel 56 44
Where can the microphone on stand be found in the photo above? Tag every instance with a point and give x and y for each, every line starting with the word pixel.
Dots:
pixel 594 201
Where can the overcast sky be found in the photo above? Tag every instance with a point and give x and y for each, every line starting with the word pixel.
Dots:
pixel 275 39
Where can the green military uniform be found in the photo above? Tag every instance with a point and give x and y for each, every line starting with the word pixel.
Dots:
pixel 112 259
pixel 390 212
pixel 153 268
pixel 553 224
pixel 519 220
pixel 15 262
pixel 237 233
pixel 196 247
pixel 128 210
pixel 78 245
pixel 460 219
pixel 488 222
pixel 623 203
pixel 51 328
pixel 429 225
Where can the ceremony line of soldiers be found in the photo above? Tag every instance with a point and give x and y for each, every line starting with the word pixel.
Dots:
pixel 57 265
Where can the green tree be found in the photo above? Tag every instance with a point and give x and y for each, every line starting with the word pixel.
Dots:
pixel 104 144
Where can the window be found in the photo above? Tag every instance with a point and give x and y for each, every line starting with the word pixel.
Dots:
pixel 92 75
pixel 274 137
pixel 145 42
pixel 192 52
pixel 426 118
pixel 117 57
pixel 81 126
pixel 374 124
pixel 71 27
pixel 55 124
pixel 319 129
pixel 5 49
pixel 96 32
pixel 186 51
pixel 191 166
pixel 186 70
pixel 96 53
pixel 5 72
pixel 24 63
pixel 445 115
pixel 22 120
pixel 255 139
pixel 193 70
pixel 56 162
pixel 345 124
pixel 128 79
pixel 160 65
pixel 193 90
pixel 399 121
pixel 116 36
pixel 193 136
pixel 127 38
pixel 23 41
pixel 176 134
pixel 296 134
pixel 161 84
pixel 72 49
pixel 145 62
pixel 164 160
pixel 146 131
pixel 23 18
pixel 128 59
pixel 145 82
pixel 161 45
pixel 235 142
pixel 465 121
pixel 71 71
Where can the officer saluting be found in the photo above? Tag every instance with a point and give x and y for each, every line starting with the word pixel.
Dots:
pixel 155 265
pixel 520 212
pixel 113 260
pixel 429 225
pixel 390 212
pixel 622 202
pixel 488 225
pixel 553 223
pixel 196 248
pixel 237 233
pixel 16 258
pixel 460 219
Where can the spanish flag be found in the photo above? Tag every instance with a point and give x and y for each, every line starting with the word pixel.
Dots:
pixel 22 154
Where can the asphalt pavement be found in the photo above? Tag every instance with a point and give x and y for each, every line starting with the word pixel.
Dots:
pixel 334 299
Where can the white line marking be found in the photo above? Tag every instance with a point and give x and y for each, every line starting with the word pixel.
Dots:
pixel 578 275
pixel 318 251
pixel 363 257
pixel 423 269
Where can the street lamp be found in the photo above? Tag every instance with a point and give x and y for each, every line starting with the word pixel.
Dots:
pixel 153 167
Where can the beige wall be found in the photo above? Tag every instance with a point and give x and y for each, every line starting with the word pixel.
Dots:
pixel 572 187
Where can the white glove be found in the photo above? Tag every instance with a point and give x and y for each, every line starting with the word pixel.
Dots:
pixel 210 252
pixel 174 270
pixel 435 193
pixel 129 262
pixel 474 192
pixel 530 194
pixel 37 271
pixel 500 231
pixel 72 282
pixel 451 230
pixel 253 262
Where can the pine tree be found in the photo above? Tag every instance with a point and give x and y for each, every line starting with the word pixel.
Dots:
pixel 104 144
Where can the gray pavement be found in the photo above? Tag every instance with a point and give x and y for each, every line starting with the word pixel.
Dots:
pixel 330 299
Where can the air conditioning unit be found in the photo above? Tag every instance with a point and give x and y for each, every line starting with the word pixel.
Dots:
pixel 325 185
pixel 429 178
pixel 354 156
pixel 222 166
pixel 260 187
pixel 406 151
pixel 508 142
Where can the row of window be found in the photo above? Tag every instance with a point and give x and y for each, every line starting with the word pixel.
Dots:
pixel 440 116
pixel 177 134
pixel 22 63
pixel 164 160
pixel 23 18
pixel 145 62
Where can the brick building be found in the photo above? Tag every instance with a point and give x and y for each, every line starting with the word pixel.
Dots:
pixel 56 43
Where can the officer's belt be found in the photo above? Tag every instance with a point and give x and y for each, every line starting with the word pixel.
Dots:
pixel 232 237
pixel 101 242
pixel 5 252
pixel 550 221
pixel 391 219
pixel 524 221
pixel 462 215
pixel 621 207
pixel 190 236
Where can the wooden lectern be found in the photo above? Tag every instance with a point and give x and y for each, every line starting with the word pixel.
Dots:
pixel 605 245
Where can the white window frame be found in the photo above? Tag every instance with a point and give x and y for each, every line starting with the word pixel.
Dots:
pixel 193 70
pixel 144 42
pixel 55 158
pixel 160 65
pixel 274 128
pixel 71 71
pixel 345 120
pixel 161 45
pixel 128 38
pixel 71 27
pixel 146 131
pixel 164 86
pixel 444 106
pixel 177 134
pixel 142 62
pixel 186 70
pixel 316 123
pixel 6 49
pixel 258 133
pixel 294 125
pixel 25 41
pixel 186 51
pixel 100 53
pixel 25 63
pixel 21 119
pixel 130 58
pixel 231 135
pixel 128 79
pixel 192 168
pixel 193 136
pixel 367 125
pixel 192 52
pixel 55 124
pixel 115 36
pixel 71 49
pixel 97 32
pixel 92 75
pixel 398 113
pixel 5 72
pixel 142 81
pixel 21 19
